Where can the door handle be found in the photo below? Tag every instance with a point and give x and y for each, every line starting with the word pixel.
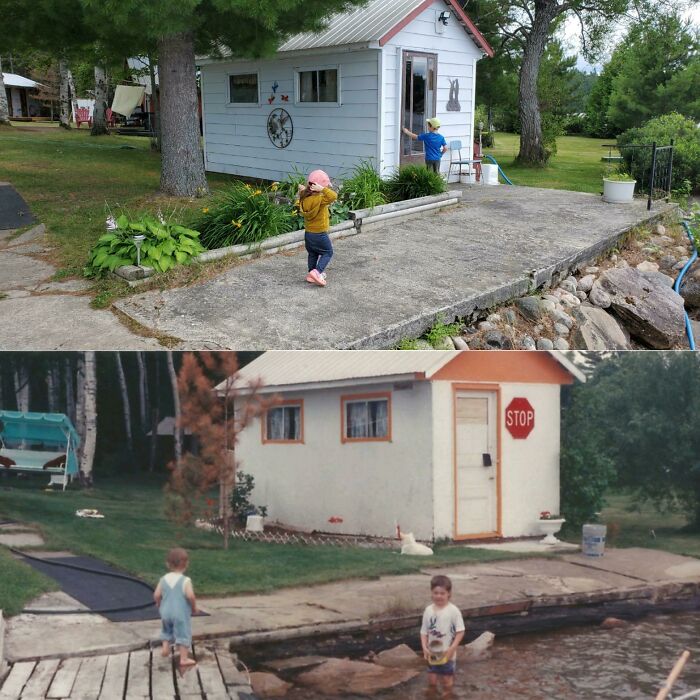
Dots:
pixel 486 459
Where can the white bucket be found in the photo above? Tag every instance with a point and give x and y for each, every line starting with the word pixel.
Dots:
pixel 593 544
pixel 468 178
pixel 489 173
pixel 254 523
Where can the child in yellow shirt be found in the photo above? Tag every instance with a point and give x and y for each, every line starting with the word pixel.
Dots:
pixel 314 200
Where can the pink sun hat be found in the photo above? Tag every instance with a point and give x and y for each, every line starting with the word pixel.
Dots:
pixel 318 177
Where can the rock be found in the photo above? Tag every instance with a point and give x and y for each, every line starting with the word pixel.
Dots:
pixel 568 286
pixel 342 676
pixel 295 664
pixel 638 244
pixel 551 297
pixel 668 261
pixel 610 623
pixel 498 340
pixel 545 344
pixel 558 316
pixel 478 650
pixel 648 266
pixel 622 263
pixel 539 328
pixel 529 307
pixel 661 277
pixel 681 249
pixel 681 264
pixel 649 310
pixel 585 283
pixel 546 305
pixel 493 318
pixel 267 685
pixel 561 344
pixel 613 257
pixel 444 344
pixel 661 241
pixel 560 329
pixel 528 343
pixel 593 270
pixel 598 330
pixel 510 316
pixel 569 301
pixel 401 656
pixel 422 344
pixel 690 287
pixel 581 295
pixel 660 230
pixel 459 343
pixel 485 326
pixel 599 297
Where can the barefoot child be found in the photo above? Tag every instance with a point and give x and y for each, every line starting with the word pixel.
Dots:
pixel 435 144
pixel 441 633
pixel 176 603
pixel 314 201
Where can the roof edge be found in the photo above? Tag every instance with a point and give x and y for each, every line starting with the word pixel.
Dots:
pixel 568 365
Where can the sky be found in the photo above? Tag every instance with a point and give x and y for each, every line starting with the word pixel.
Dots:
pixel 572 36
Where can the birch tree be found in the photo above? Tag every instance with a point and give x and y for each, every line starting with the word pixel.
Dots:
pixel 90 404
pixel 176 404
pixel 53 381
pixel 21 378
pixel 99 113
pixel 143 390
pixel 70 391
pixel 64 95
pixel 73 95
pixel 125 402
pixel 4 107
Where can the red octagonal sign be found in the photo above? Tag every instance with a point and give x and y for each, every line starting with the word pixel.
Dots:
pixel 520 418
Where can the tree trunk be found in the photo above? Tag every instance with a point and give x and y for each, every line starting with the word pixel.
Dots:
pixel 90 391
pixel 125 403
pixel 73 95
pixel 64 94
pixel 4 107
pixel 53 379
pixel 154 102
pixel 99 117
pixel 532 150
pixel 176 403
pixel 80 401
pixel 155 419
pixel 70 393
pixel 182 162
pixel 143 391
pixel 21 386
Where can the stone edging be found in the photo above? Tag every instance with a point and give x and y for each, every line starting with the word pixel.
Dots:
pixel 295 239
pixel 4 668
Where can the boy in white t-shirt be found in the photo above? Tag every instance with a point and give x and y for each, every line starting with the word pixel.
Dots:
pixel 441 633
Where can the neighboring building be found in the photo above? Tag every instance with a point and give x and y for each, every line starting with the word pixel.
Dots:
pixel 20 96
pixel 340 96
pixel 432 441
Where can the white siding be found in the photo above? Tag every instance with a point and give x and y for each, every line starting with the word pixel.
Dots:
pixel 332 137
pixel 457 55
pixel 371 485
pixel 529 467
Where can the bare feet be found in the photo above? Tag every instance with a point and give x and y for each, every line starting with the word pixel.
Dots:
pixel 165 649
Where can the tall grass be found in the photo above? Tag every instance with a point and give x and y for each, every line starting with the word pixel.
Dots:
pixel 364 188
pixel 412 181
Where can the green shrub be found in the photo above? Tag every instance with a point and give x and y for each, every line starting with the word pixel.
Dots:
pixel 413 181
pixel 364 188
pixel 686 148
pixel 241 504
pixel 242 214
pixel 165 246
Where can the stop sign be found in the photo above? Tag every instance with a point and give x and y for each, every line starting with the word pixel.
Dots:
pixel 520 418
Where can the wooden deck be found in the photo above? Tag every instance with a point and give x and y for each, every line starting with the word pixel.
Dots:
pixel 137 674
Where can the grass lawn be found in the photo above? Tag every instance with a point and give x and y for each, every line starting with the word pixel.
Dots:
pixel 19 583
pixel 135 536
pixel 576 166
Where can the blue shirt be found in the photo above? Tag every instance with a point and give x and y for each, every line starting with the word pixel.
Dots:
pixel 433 142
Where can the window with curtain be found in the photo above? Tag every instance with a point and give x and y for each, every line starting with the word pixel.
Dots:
pixel 367 419
pixel 243 88
pixel 318 85
pixel 284 423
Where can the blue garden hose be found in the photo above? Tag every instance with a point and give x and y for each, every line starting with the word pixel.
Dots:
pixel 495 162
pixel 677 284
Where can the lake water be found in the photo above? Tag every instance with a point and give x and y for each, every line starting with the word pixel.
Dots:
pixel 579 663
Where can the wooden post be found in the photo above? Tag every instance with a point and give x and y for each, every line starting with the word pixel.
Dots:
pixel 673 676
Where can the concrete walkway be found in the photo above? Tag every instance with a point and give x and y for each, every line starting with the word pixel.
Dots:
pixel 393 282
pixel 501 588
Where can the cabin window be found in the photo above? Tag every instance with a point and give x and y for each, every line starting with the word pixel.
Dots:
pixel 366 417
pixel 318 85
pixel 284 423
pixel 243 88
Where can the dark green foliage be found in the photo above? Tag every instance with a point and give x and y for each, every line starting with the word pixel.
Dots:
pixel 165 246
pixel 686 148
pixel 241 505
pixel 363 189
pixel 413 181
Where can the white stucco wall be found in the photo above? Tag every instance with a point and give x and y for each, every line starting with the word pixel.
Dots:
pixel 371 485
pixel 457 56
pixel 529 468
pixel 329 136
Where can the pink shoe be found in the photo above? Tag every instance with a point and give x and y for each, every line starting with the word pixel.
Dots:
pixel 317 278
pixel 310 278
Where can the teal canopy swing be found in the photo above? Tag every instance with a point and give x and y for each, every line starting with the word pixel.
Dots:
pixel 39 442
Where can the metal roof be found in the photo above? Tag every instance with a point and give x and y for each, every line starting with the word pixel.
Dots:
pixel 312 368
pixel 359 26
pixel 14 80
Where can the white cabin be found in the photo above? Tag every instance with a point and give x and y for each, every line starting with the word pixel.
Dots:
pixel 332 99
pixel 458 445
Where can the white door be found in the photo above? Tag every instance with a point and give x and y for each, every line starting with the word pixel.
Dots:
pixel 476 461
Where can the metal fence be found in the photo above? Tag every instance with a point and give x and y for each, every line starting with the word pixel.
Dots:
pixel 650 164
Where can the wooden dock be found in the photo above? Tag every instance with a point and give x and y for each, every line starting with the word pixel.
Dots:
pixel 142 674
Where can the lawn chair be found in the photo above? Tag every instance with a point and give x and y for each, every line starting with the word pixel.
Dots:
pixel 82 116
pixel 109 116
pixel 456 160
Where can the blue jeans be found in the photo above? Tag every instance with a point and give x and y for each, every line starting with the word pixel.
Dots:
pixel 320 250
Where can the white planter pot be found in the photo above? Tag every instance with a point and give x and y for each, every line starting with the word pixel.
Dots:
pixel 549 528
pixel 618 191
pixel 254 523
